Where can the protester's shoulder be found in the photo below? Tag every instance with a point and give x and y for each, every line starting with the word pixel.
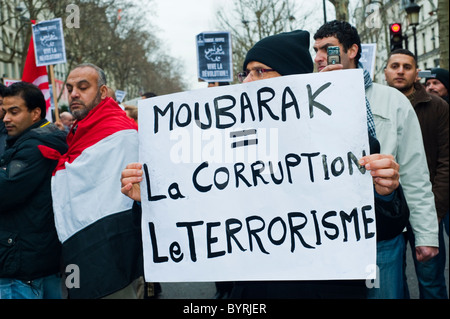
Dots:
pixel 439 103
pixel 387 92
pixel 50 135
pixel 387 100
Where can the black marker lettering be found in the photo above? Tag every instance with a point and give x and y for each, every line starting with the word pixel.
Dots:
pixel 285 105
pixel 312 102
pixel 190 233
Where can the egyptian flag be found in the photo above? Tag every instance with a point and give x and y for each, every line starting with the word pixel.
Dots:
pixel 37 76
pixel 96 226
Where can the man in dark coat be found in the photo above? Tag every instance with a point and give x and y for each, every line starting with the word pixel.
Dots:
pixel 29 247
pixel 3 132
pixel 433 114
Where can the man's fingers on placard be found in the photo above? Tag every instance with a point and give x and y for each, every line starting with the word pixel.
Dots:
pixel 125 189
pixel 386 182
pixel 134 166
pixel 385 173
pixel 131 180
pixel 127 173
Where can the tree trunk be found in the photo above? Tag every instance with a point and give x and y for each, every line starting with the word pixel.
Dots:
pixel 443 33
pixel 341 7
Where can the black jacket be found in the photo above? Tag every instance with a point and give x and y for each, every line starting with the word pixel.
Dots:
pixel 3 135
pixel 29 246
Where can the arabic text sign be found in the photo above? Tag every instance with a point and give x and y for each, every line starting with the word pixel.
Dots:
pixel 258 181
pixel 214 57
pixel 49 43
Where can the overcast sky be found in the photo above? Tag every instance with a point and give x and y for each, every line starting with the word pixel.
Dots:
pixel 181 20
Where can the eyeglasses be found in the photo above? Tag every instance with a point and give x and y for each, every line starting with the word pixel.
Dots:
pixel 255 73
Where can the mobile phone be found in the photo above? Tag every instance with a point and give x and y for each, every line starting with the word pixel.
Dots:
pixel 333 55
pixel 425 74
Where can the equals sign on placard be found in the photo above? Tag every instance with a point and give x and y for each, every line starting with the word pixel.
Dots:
pixel 244 134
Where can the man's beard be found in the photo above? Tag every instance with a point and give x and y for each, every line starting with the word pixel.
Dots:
pixel 82 113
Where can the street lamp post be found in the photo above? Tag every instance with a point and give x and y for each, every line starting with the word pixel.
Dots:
pixel 412 11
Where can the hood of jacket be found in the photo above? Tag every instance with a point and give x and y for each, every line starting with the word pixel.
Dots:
pixel 43 131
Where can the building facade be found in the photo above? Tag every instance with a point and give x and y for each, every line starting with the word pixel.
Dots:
pixel 372 19
pixel 11 32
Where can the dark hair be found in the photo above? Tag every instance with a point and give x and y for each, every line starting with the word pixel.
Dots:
pixel 2 89
pixel 30 93
pixel 148 94
pixel 346 34
pixel 221 83
pixel 405 52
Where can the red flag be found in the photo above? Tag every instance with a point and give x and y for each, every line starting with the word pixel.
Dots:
pixel 38 76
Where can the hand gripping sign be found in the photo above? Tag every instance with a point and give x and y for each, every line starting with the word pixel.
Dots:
pixel 258 181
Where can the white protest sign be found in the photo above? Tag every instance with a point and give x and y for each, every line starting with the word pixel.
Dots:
pixel 258 181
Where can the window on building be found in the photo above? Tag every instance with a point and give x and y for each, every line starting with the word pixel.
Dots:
pixel 433 38
pixel 424 41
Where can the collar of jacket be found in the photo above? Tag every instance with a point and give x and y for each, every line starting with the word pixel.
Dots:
pixel 422 96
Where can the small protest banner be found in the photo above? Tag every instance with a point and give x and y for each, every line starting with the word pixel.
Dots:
pixel 258 181
pixel 368 55
pixel 214 55
pixel 49 42
pixel 120 95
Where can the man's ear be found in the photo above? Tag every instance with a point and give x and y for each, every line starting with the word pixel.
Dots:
pixel 104 91
pixel 352 51
pixel 36 114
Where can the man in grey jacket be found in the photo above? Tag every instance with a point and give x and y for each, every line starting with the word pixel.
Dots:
pixel 398 130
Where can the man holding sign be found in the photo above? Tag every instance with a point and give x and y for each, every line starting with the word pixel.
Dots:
pixel 383 169
pixel 399 133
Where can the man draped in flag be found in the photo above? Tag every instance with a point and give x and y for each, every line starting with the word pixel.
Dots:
pixel 37 76
pixel 94 220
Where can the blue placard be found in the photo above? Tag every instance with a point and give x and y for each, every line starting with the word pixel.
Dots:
pixel 49 44
pixel 214 56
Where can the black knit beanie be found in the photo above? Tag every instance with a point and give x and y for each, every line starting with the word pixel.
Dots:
pixel 287 53
pixel 441 75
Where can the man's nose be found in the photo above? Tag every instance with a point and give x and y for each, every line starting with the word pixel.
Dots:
pixel 6 118
pixel 248 78
pixel 318 58
pixel 74 93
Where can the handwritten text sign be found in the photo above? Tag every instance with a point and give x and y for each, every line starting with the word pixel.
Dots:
pixel 214 55
pixel 258 181
pixel 49 43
